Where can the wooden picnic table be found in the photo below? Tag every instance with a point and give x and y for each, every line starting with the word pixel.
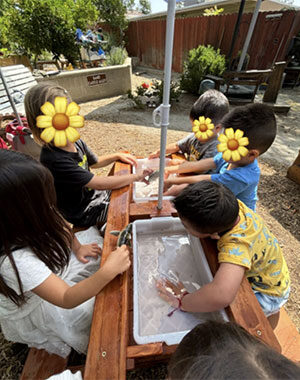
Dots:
pixel 112 349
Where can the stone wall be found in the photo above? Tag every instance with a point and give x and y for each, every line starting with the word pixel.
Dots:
pixel 96 83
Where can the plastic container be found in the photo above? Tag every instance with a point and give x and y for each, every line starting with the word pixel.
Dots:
pixel 143 164
pixel 162 248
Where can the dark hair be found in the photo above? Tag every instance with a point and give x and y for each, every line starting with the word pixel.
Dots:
pixel 212 104
pixel 258 123
pixel 35 97
pixel 29 217
pixel 220 350
pixel 208 206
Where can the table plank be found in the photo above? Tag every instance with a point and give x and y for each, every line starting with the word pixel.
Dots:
pixel 106 358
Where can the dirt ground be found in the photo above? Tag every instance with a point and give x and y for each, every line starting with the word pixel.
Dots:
pixel 114 125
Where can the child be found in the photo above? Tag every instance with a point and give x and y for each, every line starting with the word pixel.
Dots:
pixel 81 196
pixel 245 245
pixel 218 350
pixel 212 104
pixel 47 285
pixel 258 123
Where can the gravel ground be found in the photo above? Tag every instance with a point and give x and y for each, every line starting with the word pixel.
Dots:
pixel 114 125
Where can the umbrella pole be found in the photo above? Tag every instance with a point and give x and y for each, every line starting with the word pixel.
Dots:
pixel 164 109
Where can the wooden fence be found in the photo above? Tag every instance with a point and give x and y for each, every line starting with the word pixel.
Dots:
pixel 270 41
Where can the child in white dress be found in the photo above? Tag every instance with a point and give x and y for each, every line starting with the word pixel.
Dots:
pixel 48 278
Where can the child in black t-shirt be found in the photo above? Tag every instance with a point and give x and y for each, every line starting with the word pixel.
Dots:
pixel 82 197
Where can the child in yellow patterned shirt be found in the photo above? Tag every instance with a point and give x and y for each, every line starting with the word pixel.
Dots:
pixel 245 245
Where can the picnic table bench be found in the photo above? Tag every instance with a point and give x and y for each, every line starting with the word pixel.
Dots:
pixel 112 349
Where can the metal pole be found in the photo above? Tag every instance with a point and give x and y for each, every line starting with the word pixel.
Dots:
pixel 249 35
pixel 164 109
pixel 236 31
pixel 10 98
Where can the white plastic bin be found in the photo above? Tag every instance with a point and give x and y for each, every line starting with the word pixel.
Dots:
pixel 143 164
pixel 162 247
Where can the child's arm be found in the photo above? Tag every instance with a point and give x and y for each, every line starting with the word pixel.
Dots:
pixel 170 149
pixel 108 159
pixel 188 179
pixel 211 297
pixel 115 182
pixel 192 166
pixel 59 293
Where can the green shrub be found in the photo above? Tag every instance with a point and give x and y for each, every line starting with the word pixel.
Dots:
pixel 116 56
pixel 158 88
pixel 201 61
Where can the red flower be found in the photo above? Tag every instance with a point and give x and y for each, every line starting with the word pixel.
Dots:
pixel 145 85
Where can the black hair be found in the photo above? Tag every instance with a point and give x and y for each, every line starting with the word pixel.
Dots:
pixel 29 217
pixel 209 207
pixel 258 123
pixel 212 104
pixel 224 350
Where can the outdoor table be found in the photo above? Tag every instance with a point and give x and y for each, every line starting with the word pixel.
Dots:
pixel 112 349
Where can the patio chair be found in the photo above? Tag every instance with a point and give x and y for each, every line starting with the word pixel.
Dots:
pixel 15 81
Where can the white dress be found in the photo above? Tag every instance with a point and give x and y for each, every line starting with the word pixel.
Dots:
pixel 39 323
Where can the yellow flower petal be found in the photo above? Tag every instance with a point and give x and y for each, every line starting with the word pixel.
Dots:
pixel 222 147
pixel 196 123
pixel 222 138
pixel 235 155
pixel 242 151
pixel 227 155
pixel 243 141
pixel 238 134
pixel 229 133
pixel 202 119
pixel 210 126
pixel 204 136
pixel 48 134
pixel 60 138
pixel 76 121
pixel 72 134
pixel 60 104
pixel 44 121
pixel 198 135
pixel 209 133
pixel 72 109
pixel 48 109
pixel 208 120
pixel 195 129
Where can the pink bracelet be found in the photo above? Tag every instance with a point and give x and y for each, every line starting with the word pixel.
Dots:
pixel 179 298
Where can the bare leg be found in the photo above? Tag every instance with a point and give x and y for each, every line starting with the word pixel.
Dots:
pixel 273 320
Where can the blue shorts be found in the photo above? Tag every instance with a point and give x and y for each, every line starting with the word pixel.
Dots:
pixel 271 304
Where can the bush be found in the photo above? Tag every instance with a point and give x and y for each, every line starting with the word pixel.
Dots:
pixel 116 56
pixel 201 61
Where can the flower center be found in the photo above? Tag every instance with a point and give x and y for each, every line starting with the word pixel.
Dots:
pixel 233 144
pixel 203 127
pixel 60 121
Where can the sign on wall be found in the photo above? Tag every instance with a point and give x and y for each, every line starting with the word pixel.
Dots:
pixel 96 79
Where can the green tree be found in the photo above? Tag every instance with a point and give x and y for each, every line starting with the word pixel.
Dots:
pixel 145 6
pixel 113 12
pixel 39 25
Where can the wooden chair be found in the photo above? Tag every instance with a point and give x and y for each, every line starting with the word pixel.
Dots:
pixel 240 87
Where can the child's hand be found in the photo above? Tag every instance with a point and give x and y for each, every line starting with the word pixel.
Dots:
pixel 154 154
pixel 170 292
pixel 141 177
pixel 175 190
pixel 118 261
pixel 167 184
pixel 88 250
pixel 127 158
